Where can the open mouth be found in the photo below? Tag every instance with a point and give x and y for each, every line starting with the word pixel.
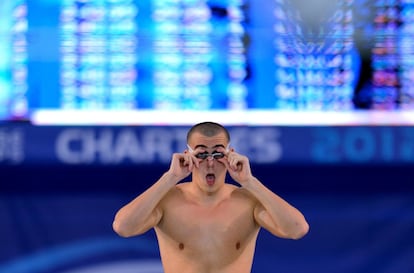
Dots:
pixel 210 178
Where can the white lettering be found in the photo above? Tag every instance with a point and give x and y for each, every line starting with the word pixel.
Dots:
pixel 97 145
pixel 155 145
pixel 261 145
pixel 68 146
pixel 11 146
pixel 109 146
pixel 85 146
pixel 158 144
pixel 127 146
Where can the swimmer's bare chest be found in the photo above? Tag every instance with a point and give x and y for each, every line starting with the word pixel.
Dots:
pixel 196 238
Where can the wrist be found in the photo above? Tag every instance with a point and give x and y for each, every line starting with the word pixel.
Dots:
pixel 170 178
pixel 250 183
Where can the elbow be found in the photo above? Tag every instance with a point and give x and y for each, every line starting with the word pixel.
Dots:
pixel 300 231
pixel 125 229
pixel 120 229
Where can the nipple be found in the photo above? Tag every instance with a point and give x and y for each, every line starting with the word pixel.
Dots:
pixel 238 245
pixel 181 246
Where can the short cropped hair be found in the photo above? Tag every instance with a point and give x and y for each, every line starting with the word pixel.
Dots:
pixel 209 129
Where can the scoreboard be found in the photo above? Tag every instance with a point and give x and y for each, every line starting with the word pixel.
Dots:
pixel 204 55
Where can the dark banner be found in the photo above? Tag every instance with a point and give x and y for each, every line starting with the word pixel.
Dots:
pixel 117 146
pixel 60 188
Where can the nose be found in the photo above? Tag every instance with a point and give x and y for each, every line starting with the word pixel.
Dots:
pixel 210 160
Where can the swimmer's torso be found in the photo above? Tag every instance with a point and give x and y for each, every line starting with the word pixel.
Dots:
pixel 196 238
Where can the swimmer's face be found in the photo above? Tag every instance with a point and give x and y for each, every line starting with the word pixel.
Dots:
pixel 211 151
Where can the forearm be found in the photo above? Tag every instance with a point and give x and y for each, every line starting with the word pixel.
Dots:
pixel 140 214
pixel 278 216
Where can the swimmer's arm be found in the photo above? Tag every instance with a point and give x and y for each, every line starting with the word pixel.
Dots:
pixel 275 214
pixel 143 212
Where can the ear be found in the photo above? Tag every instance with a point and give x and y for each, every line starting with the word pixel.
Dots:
pixel 232 149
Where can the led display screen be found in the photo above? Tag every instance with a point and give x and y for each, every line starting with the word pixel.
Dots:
pixel 88 60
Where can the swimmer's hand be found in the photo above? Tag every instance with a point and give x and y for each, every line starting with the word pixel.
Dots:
pixel 182 164
pixel 238 167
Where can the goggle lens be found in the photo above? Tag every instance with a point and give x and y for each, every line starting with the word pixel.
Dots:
pixel 206 155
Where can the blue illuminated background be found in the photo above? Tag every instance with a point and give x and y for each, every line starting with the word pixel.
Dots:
pixel 204 55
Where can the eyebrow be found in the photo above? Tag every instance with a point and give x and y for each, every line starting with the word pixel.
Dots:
pixel 204 146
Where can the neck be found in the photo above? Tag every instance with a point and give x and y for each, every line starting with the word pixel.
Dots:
pixel 209 198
